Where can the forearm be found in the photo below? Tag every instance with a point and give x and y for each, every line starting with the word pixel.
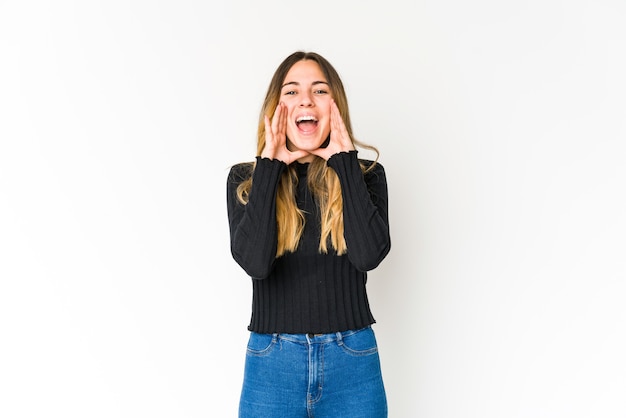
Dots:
pixel 366 224
pixel 253 227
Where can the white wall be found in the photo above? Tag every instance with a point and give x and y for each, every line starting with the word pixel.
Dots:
pixel 501 126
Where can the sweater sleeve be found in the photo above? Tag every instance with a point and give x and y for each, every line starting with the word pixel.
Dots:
pixel 365 216
pixel 253 228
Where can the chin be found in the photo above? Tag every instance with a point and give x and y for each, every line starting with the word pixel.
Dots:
pixel 307 144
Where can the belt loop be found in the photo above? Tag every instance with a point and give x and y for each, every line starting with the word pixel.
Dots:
pixel 308 339
pixel 339 338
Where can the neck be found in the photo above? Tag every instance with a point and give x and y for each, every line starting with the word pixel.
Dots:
pixel 306 159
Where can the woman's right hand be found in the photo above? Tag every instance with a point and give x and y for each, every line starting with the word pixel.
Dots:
pixel 276 138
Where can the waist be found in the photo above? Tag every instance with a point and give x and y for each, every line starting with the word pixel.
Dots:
pixel 309 338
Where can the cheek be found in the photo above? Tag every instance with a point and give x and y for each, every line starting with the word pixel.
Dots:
pixel 289 106
pixel 291 130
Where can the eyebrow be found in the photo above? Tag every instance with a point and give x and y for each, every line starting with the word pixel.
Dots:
pixel 295 83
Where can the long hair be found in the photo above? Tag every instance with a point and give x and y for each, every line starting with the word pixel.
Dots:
pixel 322 181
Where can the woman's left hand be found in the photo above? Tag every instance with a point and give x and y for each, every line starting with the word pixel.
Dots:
pixel 339 138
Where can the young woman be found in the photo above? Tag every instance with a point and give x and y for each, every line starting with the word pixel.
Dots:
pixel 308 219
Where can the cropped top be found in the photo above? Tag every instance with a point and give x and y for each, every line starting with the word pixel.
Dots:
pixel 307 291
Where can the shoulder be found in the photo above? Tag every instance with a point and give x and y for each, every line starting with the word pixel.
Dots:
pixel 372 168
pixel 240 172
pixel 370 163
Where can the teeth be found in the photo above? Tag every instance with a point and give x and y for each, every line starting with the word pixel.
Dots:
pixel 303 118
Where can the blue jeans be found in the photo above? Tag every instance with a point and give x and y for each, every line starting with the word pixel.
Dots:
pixel 304 375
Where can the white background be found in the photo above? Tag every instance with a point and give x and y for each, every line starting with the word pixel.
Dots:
pixel 501 125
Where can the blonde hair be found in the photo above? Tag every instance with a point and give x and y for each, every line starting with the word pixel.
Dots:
pixel 321 180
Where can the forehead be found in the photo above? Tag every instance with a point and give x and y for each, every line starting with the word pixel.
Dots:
pixel 305 70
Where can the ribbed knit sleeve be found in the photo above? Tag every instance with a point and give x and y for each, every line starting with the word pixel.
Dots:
pixel 307 291
pixel 365 213
pixel 253 227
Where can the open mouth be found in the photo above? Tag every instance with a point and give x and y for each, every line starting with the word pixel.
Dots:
pixel 306 123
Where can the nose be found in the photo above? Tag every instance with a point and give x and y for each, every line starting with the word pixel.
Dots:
pixel 305 99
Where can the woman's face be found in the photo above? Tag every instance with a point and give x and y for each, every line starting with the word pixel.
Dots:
pixel 306 94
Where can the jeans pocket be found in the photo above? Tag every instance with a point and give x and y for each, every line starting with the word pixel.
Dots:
pixel 359 343
pixel 261 344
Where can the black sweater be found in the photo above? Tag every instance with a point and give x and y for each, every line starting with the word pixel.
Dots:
pixel 306 291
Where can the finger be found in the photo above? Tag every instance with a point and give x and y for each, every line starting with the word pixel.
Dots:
pixel 339 132
pixel 275 118
pixel 296 155
pixel 269 136
pixel 336 121
pixel 322 152
pixel 268 126
pixel 282 120
pixel 280 126
pixel 341 126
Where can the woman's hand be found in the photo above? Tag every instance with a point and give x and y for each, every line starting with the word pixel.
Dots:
pixel 339 138
pixel 276 138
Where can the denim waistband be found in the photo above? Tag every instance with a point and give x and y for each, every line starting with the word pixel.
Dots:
pixel 317 338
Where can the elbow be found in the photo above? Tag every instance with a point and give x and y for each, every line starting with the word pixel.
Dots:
pixel 373 258
pixel 252 267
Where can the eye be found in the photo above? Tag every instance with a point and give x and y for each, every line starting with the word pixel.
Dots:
pixel 320 91
pixel 289 93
